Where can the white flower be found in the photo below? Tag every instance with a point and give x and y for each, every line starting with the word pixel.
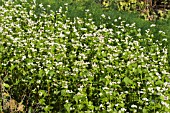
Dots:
pixel 115 20
pixel 165 39
pixel 103 16
pixel 161 32
pixel 81 88
pixel 60 10
pixel 100 94
pixel 83 29
pixel 61 35
pixel 105 88
pixel 41 5
pixel 109 17
pixel 126 92
pixel 108 103
pixel 116 104
pixel 133 106
pixel 158 88
pixel 39 81
pixel 69 91
pixel 166 98
pixel 24 57
pixel 147 31
pixel 79 94
pixel 152 25
pixel 87 10
pixel 165 104
pixel 66 4
pixel 145 99
pixel 118 32
pixel 101 105
pixel 127 24
pixel 1 29
pixel 48 6
pixel 123 109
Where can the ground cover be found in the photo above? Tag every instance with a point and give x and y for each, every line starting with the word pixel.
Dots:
pixel 52 63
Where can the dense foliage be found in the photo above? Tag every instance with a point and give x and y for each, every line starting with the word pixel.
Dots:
pixel 76 8
pixel 50 63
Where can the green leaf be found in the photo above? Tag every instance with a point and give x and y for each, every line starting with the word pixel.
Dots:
pixel 127 80
pixel 48 108
pixel 90 105
pixel 30 110
pixel 145 111
pixel 56 92
pixel 12 67
pixel 51 73
pixel 6 85
pixel 80 106
pixel 76 98
pixel 149 78
pixel 63 92
pixel 42 101
pixel 159 82
pixel 67 106
pixel 42 93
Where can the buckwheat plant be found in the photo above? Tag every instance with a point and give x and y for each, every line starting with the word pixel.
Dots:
pixel 51 63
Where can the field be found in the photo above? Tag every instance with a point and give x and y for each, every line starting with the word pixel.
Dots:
pixel 55 62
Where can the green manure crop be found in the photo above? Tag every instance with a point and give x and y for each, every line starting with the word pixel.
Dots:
pixel 50 63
